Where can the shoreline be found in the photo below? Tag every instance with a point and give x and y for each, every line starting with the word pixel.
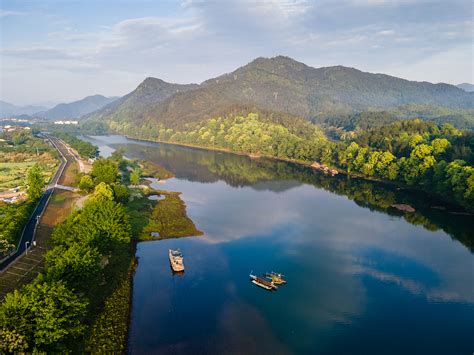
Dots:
pixel 451 207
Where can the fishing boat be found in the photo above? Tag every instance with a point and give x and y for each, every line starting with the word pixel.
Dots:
pixel 176 260
pixel 276 277
pixel 262 282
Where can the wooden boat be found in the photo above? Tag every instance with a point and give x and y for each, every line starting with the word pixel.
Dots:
pixel 176 260
pixel 262 282
pixel 276 277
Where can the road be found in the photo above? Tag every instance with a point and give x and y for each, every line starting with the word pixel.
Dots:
pixel 29 230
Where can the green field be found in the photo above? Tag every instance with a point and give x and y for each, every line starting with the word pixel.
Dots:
pixel 13 174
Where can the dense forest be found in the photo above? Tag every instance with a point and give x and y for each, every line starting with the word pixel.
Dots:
pixel 460 118
pixel 424 155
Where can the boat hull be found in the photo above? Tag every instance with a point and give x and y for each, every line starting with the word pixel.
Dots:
pixel 176 262
pixel 262 282
pixel 261 285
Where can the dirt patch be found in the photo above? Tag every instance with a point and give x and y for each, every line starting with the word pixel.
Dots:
pixel 60 206
pixel 69 176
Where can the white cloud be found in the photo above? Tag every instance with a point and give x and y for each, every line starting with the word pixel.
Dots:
pixel 386 32
pixel 207 38
pixel 438 67
pixel 39 52
pixel 5 13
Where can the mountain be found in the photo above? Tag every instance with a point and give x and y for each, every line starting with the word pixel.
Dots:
pixel 282 84
pixel 466 87
pixel 134 105
pixel 8 110
pixel 76 109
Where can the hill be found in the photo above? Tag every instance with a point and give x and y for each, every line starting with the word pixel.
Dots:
pixel 76 109
pixel 285 85
pixel 466 87
pixel 8 110
pixel 133 106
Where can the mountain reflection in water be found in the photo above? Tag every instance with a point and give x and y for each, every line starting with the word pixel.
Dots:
pixel 361 275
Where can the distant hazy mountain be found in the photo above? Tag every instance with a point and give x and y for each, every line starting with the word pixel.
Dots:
pixel 8 110
pixel 279 84
pixel 466 87
pixel 76 109
pixel 150 92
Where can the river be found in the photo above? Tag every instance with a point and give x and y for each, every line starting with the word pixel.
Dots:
pixel 362 277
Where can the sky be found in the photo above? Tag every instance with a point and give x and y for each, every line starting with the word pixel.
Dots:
pixel 54 51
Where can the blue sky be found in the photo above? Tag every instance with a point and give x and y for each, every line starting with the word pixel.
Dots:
pixel 59 51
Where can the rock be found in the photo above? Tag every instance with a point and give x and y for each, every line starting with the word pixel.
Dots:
pixel 403 207
pixel 324 168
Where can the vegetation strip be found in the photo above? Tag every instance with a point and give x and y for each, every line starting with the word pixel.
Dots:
pixel 81 301
pixel 417 154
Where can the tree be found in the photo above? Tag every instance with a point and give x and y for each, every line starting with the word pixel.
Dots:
pixel 19 138
pixel 135 176
pixel 5 247
pixel 104 170
pixel 46 314
pixel 12 342
pixel 439 145
pixel 117 156
pixel 86 183
pixel 35 182
pixel 121 193
pixel 77 265
pixel 102 192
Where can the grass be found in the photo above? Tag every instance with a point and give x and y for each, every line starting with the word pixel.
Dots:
pixel 150 169
pixel 110 329
pixel 59 207
pixel 13 174
pixel 169 218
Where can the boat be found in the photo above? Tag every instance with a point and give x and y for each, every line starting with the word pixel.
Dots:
pixel 176 260
pixel 262 282
pixel 276 277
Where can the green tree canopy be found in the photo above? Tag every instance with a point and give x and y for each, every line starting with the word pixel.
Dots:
pixel 46 314
pixel 35 182
pixel 104 170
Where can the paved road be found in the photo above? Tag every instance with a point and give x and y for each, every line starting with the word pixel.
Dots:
pixel 29 230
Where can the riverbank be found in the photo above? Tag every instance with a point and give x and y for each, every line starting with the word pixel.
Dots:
pixel 450 205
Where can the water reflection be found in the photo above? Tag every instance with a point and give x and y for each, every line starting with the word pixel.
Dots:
pixel 358 278
pixel 264 174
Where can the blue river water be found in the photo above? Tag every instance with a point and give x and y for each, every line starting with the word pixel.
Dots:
pixel 362 277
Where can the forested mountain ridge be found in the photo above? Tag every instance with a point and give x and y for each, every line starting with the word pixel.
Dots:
pixel 265 108
pixel 76 109
pixel 134 105
pixel 281 84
